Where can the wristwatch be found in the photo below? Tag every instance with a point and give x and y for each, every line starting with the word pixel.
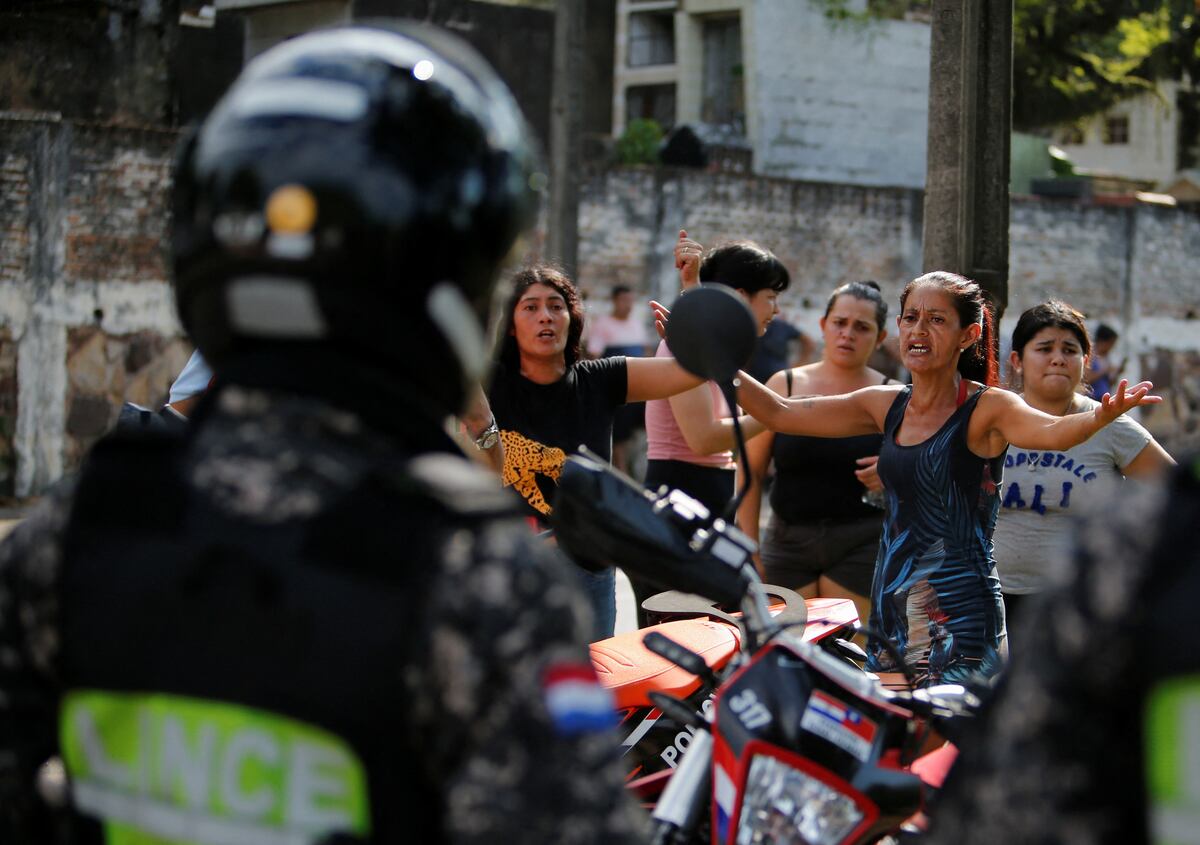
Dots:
pixel 489 437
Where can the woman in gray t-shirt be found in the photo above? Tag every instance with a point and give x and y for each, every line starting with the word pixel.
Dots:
pixel 1043 490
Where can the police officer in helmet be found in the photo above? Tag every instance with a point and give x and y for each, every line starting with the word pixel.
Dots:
pixel 309 618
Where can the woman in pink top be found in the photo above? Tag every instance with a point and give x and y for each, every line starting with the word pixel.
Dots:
pixel 689 437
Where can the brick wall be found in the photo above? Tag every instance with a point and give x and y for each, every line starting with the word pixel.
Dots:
pixel 86 313
pixel 115 206
pixel 1137 268
pixel 630 218
pixel 87 317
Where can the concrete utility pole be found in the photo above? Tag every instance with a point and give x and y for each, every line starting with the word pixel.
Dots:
pixel 566 125
pixel 970 127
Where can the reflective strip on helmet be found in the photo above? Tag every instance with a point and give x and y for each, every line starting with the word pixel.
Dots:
pixel 453 316
pixel 1172 740
pixel 161 768
pixel 327 99
pixel 275 307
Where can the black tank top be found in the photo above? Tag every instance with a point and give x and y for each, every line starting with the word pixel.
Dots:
pixel 814 476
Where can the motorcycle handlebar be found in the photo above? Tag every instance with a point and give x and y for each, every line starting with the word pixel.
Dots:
pixel 602 518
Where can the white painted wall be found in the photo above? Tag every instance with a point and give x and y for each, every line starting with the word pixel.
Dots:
pixel 844 103
pixel 1153 139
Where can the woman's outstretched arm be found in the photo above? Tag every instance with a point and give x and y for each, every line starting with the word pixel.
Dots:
pixel 704 432
pixel 1005 418
pixel 656 378
pixel 842 415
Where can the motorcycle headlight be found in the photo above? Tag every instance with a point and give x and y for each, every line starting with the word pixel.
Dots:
pixel 785 806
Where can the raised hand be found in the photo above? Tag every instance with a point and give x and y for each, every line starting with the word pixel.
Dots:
pixel 687 260
pixel 1112 405
pixel 661 315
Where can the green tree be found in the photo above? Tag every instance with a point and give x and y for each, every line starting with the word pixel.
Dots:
pixel 640 142
pixel 1076 58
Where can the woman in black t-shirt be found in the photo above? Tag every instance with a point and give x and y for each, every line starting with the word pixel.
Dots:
pixel 823 536
pixel 548 401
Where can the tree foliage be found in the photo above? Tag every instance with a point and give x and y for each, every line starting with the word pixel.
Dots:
pixel 639 142
pixel 1076 58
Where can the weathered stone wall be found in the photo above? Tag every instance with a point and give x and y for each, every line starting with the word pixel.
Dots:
pixel 89 60
pixel 1136 268
pixel 631 217
pixel 104 370
pixel 85 309
pixel 8 412
pixel 87 318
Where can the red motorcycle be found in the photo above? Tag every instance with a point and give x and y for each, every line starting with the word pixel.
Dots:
pixel 653 742
pixel 798 744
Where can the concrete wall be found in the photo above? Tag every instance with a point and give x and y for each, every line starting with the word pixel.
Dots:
pixel 87 318
pixel 1136 268
pixel 89 59
pixel 86 314
pixel 840 103
pixel 843 103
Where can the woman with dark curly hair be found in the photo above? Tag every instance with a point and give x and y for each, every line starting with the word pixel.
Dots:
pixel 935 594
pixel 548 400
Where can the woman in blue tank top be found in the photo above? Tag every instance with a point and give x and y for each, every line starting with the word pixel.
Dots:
pixel 935 594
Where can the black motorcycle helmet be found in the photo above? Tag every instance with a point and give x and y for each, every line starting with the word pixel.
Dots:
pixel 356 189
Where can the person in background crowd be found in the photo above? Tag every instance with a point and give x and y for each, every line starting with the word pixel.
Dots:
pixel 823 536
pixel 1044 489
pixel 1102 371
pixel 309 618
pixel 781 346
pixel 620 332
pixel 186 392
pixel 549 402
pixel 689 437
pixel 935 595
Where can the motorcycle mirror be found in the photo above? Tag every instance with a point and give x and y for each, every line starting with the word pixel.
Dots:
pixel 711 332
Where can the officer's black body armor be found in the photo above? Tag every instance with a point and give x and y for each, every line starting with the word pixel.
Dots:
pixel 315 619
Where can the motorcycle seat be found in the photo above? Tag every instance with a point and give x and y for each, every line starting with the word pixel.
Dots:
pixel 825 616
pixel 631 671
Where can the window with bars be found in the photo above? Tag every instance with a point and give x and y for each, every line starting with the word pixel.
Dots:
pixel 724 100
pixel 1116 130
pixel 651 39
pixel 656 102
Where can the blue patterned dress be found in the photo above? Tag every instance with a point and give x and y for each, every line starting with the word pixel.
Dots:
pixel 936 595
